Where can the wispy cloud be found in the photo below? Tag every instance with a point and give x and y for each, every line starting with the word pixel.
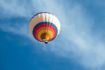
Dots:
pixel 78 41
pixel 86 48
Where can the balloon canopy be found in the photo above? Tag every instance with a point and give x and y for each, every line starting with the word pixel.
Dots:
pixel 44 27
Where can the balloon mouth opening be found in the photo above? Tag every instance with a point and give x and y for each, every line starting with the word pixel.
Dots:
pixel 45 37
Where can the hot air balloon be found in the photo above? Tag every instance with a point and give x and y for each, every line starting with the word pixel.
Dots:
pixel 44 27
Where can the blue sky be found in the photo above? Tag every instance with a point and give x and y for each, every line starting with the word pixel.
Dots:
pixel 79 46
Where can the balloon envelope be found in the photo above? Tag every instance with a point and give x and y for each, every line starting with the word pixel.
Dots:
pixel 44 27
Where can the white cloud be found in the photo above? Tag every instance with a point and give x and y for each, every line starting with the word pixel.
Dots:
pixel 16 8
pixel 78 41
pixel 17 29
pixel 87 49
